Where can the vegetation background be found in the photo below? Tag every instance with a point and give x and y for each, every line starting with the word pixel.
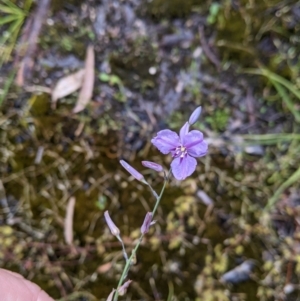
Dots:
pixel 86 83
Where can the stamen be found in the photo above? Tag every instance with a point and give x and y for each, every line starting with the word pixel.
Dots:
pixel 180 151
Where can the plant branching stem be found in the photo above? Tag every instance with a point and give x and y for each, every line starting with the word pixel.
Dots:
pixel 129 261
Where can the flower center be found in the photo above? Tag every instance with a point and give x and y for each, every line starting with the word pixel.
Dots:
pixel 180 151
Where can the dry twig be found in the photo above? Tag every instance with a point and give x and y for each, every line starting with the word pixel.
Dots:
pixel 27 62
pixel 206 49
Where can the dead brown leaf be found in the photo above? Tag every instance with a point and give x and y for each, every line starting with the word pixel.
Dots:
pixel 102 269
pixel 30 36
pixel 67 85
pixel 87 88
pixel 68 226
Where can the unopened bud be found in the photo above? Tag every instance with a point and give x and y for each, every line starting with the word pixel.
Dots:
pixel 123 289
pixel 132 171
pixel 147 223
pixel 112 227
pixel 195 115
pixel 184 130
pixel 153 166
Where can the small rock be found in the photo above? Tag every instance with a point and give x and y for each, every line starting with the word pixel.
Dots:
pixel 239 274
pixel 288 288
pixel 256 150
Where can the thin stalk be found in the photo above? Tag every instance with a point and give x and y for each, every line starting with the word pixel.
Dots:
pixel 152 190
pixel 127 266
pixel 123 247
pixel 128 262
pixel 161 193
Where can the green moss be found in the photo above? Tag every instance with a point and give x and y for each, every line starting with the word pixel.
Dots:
pixel 219 120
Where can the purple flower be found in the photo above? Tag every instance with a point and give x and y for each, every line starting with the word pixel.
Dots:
pixel 184 149
pixel 153 165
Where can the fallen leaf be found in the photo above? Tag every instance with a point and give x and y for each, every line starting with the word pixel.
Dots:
pixel 20 75
pixel 67 85
pixel 102 269
pixel 39 155
pixel 86 91
pixel 205 198
pixel 68 226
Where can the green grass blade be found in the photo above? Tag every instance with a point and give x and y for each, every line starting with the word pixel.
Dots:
pixel 285 97
pixel 5 38
pixel 11 39
pixel 11 11
pixel 269 139
pixel 6 9
pixel 8 19
pixel 295 177
pixel 171 291
pixel 278 81
pixel 7 86
pixel 274 77
pixel 9 3
pixel 12 28
pixel 27 6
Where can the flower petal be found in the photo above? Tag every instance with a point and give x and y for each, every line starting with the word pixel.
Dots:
pixel 194 143
pixel 183 167
pixel 166 141
pixel 184 130
pixel 198 150
pixel 192 138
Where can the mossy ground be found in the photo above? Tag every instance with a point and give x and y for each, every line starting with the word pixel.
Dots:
pixel 151 72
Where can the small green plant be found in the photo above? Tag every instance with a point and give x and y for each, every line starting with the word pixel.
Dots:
pixel 114 80
pixel 218 120
pixel 282 86
pixel 13 17
pixel 185 148
pixel 285 90
pixel 213 13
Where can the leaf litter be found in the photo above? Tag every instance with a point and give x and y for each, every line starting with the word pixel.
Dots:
pixel 87 87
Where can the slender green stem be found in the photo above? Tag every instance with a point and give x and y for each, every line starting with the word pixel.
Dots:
pixel 152 190
pixel 161 193
pixel 123 247
pixel 127 266
pixel 129 261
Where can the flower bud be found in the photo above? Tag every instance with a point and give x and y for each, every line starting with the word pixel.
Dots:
pixel 153 166
pixel 132 171
pixel 195 115
pixel 112 227
pixel 147 223
pixel 123 289
pixel 184 130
